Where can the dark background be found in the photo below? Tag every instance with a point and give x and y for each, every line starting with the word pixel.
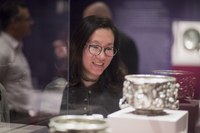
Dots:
pixel 147 22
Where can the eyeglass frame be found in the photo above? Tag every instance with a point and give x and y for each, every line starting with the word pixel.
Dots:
pixel 90 44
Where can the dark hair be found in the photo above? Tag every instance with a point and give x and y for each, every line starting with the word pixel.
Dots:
pixel 114 73
pixel 8 10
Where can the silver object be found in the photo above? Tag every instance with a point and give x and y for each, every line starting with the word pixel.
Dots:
pixel 191 39
pixel 78 124
pixel 150 94
pixel 186 80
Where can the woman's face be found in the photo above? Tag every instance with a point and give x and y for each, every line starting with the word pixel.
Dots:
pixel 94 65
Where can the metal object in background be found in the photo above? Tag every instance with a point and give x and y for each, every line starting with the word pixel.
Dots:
pixel 191 39
pixel 186 46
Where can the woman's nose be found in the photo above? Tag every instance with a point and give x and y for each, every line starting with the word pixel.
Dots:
pixel 102 55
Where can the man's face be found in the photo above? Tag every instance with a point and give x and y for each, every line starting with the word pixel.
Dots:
pixel 23 22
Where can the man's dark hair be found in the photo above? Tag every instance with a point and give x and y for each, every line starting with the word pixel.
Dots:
pixel 8 10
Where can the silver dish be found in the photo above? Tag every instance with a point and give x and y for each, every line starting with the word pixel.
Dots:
pixel 150 94
pixel 78 124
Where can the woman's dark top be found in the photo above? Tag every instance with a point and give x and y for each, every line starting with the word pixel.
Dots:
pixel 96 99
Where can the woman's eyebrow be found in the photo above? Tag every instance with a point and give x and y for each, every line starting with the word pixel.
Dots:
pixel 110 44
pixel 95 41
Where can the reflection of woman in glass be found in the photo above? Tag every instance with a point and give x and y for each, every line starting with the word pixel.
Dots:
pixel 96 73
pixel 60 51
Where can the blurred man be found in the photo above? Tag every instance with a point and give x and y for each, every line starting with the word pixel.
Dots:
pixel 128 49
pixel 15 25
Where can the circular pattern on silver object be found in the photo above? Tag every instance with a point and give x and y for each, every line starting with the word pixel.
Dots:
pixel 150 93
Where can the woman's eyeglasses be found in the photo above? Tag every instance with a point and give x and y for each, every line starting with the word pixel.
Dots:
pixel 95 49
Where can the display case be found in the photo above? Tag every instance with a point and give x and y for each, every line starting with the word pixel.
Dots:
pixel 126 121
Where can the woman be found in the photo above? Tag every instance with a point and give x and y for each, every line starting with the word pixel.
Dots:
pixel 96 72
